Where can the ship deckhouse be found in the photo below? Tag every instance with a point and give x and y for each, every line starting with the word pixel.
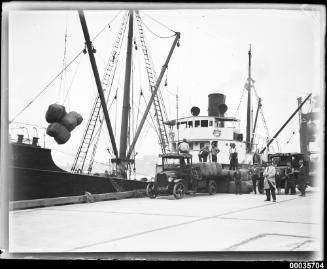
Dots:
pixel 204 130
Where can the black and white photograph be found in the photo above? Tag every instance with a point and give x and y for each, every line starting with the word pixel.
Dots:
pixel 163 131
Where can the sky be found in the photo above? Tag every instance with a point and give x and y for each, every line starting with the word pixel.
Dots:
pixel 287 61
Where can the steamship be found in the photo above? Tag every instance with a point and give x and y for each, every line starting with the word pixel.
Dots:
pixel 200 130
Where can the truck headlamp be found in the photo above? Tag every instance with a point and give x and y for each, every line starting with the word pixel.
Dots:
pixel 170 179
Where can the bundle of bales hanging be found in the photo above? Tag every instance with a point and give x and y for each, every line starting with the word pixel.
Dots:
pixel 61 122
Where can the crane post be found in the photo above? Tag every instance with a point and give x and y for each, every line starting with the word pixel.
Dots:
pixel 255 121
pixel 156 87
pixel 97 79
pixel 294 113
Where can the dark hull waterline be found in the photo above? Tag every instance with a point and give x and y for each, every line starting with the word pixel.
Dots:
pixel 34 175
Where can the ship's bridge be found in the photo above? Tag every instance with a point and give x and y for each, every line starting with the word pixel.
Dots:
pixel 204 128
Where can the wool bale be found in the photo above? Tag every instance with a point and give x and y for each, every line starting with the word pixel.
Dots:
pixel 54 113
pixel 78 117
pixel 69 121
pixel 58 132
pixel 244 174
pixel 204 171
pixel 246 187
pixel 218 168
pixel 222 186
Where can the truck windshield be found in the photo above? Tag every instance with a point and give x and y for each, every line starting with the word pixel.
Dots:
pixel 171 162
pixel 293 159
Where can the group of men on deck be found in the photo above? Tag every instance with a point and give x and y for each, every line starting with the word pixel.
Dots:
pixel 204 152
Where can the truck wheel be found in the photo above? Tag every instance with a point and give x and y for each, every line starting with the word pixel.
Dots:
pixel 212 187
pixel 179 190
pixel 150 190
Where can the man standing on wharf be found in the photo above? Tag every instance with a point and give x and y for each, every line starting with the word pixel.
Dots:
pixel 270 181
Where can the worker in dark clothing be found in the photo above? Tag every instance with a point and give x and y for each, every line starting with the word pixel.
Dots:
pixel 214 152
pixel 302 178
pixel 233 157
pixel 261 181
pixel 278 180
pixel 290 180
pixel 237 181
pixel 204 153
pixel 184 148
pixel 253 174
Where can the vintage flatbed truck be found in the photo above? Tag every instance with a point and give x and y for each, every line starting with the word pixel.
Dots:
pixel 177 175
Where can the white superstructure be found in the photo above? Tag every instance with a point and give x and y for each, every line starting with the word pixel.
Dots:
pixel 201 130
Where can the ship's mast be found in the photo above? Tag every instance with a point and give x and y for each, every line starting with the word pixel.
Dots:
pixel 126 98
pixel 248 119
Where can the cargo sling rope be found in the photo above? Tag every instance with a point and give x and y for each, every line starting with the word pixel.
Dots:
pixel 61 92
pixel 60 73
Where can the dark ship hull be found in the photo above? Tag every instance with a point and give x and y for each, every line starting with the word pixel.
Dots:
pixel 36 176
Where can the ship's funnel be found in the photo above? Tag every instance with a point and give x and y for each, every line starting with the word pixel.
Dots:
pixel 222 108
pixel 216 105
pixel 195 111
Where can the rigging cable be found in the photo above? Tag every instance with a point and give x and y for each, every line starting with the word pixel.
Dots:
pixel 47 86
pixel 159 92
pixel 153 123
pixel 155 33
pixel 71 83
pixel 141 91
pixel 160 23
pixel 239 105
pixel 107 25
pixel 61 92
pixel 261 113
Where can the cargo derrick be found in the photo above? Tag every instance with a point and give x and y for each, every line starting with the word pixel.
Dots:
pixel 284 125
pixel 96 114
pixel 122 159
pixel 91 51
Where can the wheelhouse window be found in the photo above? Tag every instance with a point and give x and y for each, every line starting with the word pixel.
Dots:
pixel 184 124
pixel 190 124
pixel 204 123
pixel 197 123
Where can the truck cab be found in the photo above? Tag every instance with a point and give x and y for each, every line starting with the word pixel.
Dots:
pixel 173 176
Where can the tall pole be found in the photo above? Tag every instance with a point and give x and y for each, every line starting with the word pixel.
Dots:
pixel 299 107
pixel 303 132
pixel 177 125
pixel 97 80
pixel 154 92
pixel 255 121
pixel 126 98
pixel 248 119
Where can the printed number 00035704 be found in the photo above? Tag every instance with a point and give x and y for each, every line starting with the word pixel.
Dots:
pixel 306 265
